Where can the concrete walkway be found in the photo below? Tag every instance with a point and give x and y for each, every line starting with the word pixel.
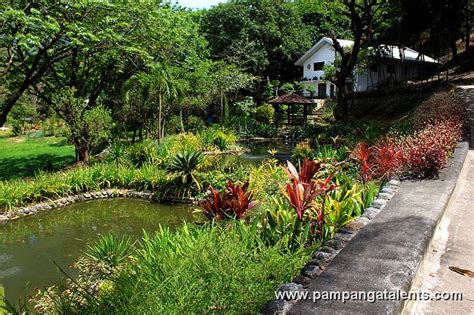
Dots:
pixel 453 242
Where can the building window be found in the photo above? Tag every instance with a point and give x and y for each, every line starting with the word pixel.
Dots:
pixel 318 66
pixel 322 90
pixel 308 66
pixel 391 69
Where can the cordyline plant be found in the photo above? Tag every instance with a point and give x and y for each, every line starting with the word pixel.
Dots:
pixel 234 202
pixel 304 188
pixel 382 160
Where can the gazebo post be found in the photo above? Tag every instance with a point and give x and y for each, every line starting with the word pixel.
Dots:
pixel 289 114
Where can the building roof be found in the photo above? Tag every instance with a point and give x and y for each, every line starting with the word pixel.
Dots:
pixel 385 51
pixel 405 53
pixel 290 98
pixel 318 45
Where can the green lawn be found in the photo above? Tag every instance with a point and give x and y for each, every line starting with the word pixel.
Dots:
pixel 23 156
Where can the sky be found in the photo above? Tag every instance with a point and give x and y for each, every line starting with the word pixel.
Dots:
pixel 199 4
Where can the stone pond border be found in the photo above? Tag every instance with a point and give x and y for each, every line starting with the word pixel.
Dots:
pixel 35 208
pixel 322 257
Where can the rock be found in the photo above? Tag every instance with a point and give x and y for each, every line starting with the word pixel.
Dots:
pixel 394 182
pixel 327 249
pixel 291 287
pixel 385 196
pixel 387 190
pixel 3 218
pixel 311 271
pixel 346 237
pixel 276 307
pixel 378 203
pixel 336 244
pixel 356 224
pixel 326 257
pixel 370 213
pixel 303 280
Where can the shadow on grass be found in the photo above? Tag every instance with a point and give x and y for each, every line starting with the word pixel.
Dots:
pixel 17 167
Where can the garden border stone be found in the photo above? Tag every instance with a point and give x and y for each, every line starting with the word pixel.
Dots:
pixel 381 250
pixel 34 208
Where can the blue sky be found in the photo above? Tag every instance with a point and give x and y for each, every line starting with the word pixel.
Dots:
pixel 199 4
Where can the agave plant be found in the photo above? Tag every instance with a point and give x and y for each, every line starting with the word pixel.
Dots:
pixel 185 164
pixel 234 202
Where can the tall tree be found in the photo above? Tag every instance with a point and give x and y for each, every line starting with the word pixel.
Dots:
pixel 362 15
pixel 262 37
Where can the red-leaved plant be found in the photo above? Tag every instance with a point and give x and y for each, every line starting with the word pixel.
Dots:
pixel 303 188
pixel 234 202
pixel 420 155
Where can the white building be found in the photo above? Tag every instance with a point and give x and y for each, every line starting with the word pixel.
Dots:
pixel 390 64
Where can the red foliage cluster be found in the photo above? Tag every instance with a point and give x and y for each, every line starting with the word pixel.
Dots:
pixel 304 188
pixel 420 155
pixel 382 160
pixel 234 202
pixel 425 153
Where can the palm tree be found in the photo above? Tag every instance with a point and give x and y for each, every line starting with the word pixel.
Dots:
pixel 158 84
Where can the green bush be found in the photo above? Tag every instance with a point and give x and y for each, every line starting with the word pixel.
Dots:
pixel 264 114
pixel 194 124
pixel 302 151
pixel 140 153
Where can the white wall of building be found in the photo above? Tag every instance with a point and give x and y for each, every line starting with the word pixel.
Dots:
pixel 325 54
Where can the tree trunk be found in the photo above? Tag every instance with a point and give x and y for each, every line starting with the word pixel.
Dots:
pixel 222 108
pixel 341 110
pixel 454 50
pixel 8 104
pixel 82 153
pixel 159 117
pixel 181 118
pixel 468 27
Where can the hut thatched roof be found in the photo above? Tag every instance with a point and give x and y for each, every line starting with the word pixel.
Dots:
pixel 290 98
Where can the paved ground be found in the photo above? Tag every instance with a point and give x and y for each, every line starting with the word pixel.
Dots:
pixel 453 243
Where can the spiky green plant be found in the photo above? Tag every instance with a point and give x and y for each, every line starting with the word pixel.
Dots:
pixel 185 165
pixel 110 250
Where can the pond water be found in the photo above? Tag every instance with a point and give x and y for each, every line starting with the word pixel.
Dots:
pixel 259 150
pixel 30 246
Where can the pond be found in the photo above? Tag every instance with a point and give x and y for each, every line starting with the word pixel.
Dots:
pixel 259 150
pixel 29 247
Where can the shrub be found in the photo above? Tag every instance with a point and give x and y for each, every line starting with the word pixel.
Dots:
pixel 422 154
pixel 234 202
pixel 440 106
pixel 302 151
pixel 264 114
pixel 426 151
pixel 194 124
pixel 140 153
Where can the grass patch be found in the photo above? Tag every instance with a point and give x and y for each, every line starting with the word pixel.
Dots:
pixel 24 156
pixel 223 268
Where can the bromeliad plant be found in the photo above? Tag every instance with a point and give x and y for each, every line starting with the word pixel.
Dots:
pixel 234 202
